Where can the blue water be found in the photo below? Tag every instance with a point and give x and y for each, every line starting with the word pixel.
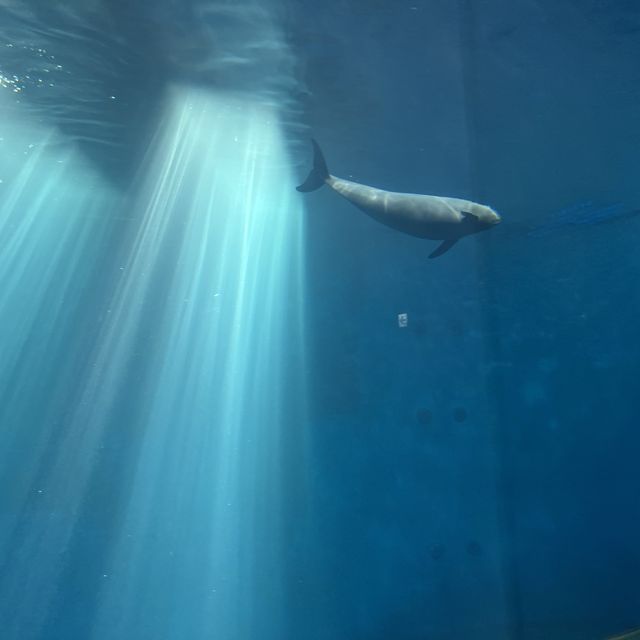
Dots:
pixel 213 426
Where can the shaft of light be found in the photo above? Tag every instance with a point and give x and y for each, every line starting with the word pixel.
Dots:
pixel 197 355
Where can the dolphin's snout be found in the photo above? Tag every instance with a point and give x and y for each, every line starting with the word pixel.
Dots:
pixel 495 218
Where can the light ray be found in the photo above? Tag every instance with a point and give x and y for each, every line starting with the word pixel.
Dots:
pixel 217 402
pixel 52 212
pixel 153 384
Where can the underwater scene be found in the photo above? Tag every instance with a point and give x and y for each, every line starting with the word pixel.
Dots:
pixel 319 321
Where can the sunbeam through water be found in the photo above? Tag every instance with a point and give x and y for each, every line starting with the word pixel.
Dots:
pixel 184 393
pixel 216 402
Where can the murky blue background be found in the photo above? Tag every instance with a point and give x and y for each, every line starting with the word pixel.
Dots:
pixel 211 424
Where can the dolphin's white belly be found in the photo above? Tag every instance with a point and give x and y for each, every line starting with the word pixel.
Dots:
pixel 425 216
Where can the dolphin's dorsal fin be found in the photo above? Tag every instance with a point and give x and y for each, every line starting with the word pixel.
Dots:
pixel 443 248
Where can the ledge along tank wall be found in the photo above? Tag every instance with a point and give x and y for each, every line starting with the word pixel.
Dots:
pixel 212 426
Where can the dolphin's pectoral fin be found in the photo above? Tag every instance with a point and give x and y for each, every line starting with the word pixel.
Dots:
pixel 443 248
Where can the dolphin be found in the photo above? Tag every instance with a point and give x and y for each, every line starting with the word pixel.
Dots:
pixel 423 216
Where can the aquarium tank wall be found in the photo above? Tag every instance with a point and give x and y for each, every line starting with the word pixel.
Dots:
pixel 400 402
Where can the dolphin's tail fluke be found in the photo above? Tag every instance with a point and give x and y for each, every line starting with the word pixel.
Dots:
pixel 319 173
